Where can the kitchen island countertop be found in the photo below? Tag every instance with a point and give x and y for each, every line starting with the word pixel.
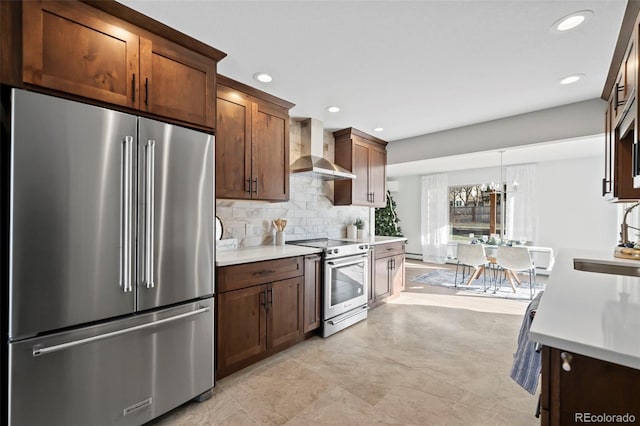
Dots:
pixel 593 314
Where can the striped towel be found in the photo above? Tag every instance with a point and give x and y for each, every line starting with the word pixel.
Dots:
pixel 526 363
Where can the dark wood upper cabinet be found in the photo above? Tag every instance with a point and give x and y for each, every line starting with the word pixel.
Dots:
pixel 109 54
pixel 621 182
pixel 252 143
pixel 366 157
pixel 176 82
pixel 74 48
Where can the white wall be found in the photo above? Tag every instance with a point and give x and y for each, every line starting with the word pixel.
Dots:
pixel 570 210
pixel 408 208
pixel 581 218
pixel 554 124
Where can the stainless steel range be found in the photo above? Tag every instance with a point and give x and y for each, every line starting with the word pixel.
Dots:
pixel 345 279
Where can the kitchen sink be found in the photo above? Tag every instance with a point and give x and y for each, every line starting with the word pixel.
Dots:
pixel 629 268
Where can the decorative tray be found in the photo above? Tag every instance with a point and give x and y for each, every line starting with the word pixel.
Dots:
pixel 627 253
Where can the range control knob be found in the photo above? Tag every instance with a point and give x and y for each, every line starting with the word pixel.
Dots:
pixel 335 251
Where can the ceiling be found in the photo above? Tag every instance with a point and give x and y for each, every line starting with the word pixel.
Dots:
pixel 411 67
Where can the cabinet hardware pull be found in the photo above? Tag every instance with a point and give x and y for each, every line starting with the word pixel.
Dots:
pixel 248 186
pixel 146 91
pixel 604 186
pixel 566 361
pixel 256 182
pixel 126 213
pixel 270 299
pixel 149 228
pixel 133 88
pixel 265 272
pixel 617 102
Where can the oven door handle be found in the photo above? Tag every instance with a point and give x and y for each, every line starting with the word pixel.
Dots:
pixel 351 261
pixel 357 312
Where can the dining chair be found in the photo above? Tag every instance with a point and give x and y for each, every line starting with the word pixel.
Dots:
pixel 516 259
pixel 471 256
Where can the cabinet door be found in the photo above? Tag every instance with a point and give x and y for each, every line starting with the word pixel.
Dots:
pixel 382 284
pixel 285 308
pixel 591 386
pixel 74 48
pixel 607 181
pixel 360 185
pixel 241 325
pixel 397 274
pixel 312 293
pixel 372 278
pixel 233 145
pixel 269 153
pixel 377 177
pixel 177 83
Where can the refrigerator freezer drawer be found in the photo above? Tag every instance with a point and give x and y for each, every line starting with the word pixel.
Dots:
pixel 124 372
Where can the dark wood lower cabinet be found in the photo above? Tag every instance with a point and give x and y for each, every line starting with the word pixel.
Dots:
pixel 381 284
pixel 241 324
pixel 262 308
pixel 284 312
pixel 387 266
pixel 591 391
pixel 312 293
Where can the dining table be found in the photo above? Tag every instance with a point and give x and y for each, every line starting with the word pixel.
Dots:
pixel 491 251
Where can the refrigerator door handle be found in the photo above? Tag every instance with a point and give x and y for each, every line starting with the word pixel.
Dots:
pixel 149 214
pixel 126 213
pixel 38 350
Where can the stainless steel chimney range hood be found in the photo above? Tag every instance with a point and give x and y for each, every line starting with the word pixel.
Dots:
pixel 312 162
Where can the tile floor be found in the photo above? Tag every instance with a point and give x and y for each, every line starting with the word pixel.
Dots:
pixel 428 357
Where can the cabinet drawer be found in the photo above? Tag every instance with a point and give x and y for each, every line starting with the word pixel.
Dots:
pixel 249 274
pixel 389 249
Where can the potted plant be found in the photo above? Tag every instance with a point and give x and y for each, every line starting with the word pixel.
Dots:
pixel 359 224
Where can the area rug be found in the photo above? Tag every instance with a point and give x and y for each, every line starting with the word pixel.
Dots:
pixel 502 289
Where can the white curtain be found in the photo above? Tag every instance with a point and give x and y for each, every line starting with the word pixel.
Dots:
pixel 435 218
pixel 521 219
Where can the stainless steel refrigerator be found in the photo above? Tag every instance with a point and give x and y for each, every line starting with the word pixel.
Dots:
pixel 109 309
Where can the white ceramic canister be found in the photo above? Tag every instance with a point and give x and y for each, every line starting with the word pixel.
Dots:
pixel 351 231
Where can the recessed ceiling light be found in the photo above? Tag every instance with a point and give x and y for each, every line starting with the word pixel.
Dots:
pixel 571 79
pixel 378 129
pixel 333 108
pixel 571 21
pixel 262 77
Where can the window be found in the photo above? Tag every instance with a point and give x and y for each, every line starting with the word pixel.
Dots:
pixel 472 211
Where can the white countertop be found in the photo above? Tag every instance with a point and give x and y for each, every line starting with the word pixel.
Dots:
pixel 593 314
pixel 256 254
pixel 372 241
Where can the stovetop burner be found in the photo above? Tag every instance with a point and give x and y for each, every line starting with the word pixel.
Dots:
pixel 323 243
pixel 334 247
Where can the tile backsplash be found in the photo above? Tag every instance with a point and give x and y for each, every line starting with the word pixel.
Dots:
pixel 310 212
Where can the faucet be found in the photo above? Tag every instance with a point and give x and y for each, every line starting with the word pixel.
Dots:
pixel 624 228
